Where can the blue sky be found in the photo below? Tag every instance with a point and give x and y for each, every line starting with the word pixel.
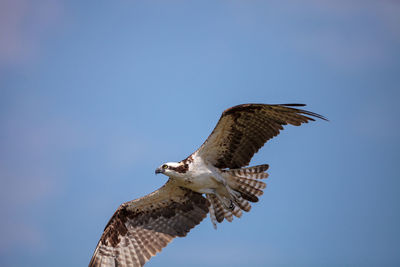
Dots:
pixel 95 96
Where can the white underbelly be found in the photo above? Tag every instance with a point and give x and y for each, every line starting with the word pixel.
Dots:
pixel 203 183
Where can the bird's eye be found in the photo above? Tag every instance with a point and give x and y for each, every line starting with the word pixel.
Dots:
pixel 165 166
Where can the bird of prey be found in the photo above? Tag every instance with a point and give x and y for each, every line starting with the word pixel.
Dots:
pixel 214 179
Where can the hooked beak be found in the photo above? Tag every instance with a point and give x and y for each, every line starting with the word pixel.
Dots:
pixel 159 170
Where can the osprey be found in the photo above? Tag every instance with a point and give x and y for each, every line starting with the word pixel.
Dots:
pixel 213 179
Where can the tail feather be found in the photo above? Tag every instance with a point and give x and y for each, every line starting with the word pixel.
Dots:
pixel 247 196
pixel 245 186
pixel 243 204
pixel 212 212
pixel 237 212
pixel 228 215
pixel 218 209
pixel 246 181
pixel 254 172
pixel 254 183
pixel 250 183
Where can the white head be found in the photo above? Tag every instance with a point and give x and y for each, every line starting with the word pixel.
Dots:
pixel 172 168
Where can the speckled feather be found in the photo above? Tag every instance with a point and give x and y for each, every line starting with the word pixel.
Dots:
pixel 242 130
pixel 142 227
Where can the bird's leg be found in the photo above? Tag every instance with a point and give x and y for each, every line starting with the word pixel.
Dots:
pixel 226 195
pixel 227 192
pixel 227 203
pixel 217 177
pixel 234 194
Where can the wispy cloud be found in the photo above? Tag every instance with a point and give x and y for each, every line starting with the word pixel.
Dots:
pixel 21 235
pixel 23 26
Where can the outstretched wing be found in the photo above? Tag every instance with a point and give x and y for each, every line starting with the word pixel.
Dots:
pixel 140 228
pixel 242 130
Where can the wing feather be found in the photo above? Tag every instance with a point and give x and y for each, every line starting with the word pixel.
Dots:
pixel 143 227
pixel 242 130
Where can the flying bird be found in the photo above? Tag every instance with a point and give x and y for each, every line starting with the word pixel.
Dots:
pixel 214 179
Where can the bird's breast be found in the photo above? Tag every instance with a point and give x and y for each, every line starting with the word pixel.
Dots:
pixel 199 181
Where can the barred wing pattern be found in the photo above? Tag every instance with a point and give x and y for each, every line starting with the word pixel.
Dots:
pixel 140 228
pixel 242 130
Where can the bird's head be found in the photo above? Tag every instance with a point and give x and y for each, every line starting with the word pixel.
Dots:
pixel 172 168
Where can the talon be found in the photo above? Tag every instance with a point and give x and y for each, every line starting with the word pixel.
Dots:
pixel 231 206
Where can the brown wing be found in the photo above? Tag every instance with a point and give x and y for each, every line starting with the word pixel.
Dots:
pixel 242 130
pixel 140 228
